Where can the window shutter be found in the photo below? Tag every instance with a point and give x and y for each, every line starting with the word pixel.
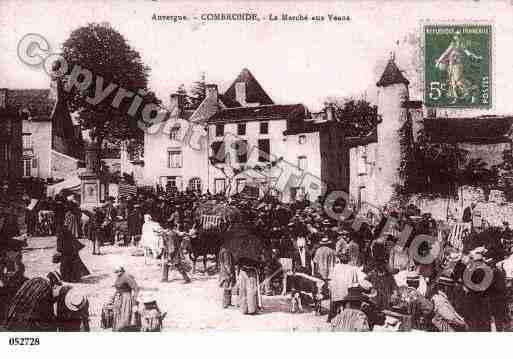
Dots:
pixel 34 163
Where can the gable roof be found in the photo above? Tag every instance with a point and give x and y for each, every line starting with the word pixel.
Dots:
pixel 37 101
pixel 483 130
pixel 391 76
pixel 260 113
pixel 254 92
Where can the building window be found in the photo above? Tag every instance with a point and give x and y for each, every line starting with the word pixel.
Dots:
pixel 195 184
pixel 241 183
pixel 302 139
pixel 362 197
pixel 264 148
pixel 173 134
pixel 264 128
pixel 362 161
pixel 27 141
pixel 242 151
pixel 27 167
pixel 301 163
pixel 297 193
pixel 219 185
pixel 173 183
pixel 219 130
pixel 241 129
pixel 218 151
pixel 174 159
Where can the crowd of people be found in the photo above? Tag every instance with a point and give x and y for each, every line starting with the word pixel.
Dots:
pixel 370 279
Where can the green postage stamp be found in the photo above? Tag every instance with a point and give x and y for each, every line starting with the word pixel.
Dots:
pixel 458 66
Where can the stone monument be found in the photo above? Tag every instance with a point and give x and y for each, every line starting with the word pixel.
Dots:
pixel 90 179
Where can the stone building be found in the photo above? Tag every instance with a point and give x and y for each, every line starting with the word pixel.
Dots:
pixel 254 141
pixel 375 159
pixel 52 144
pixel 241 137
pixel 175 149
pixel 11 119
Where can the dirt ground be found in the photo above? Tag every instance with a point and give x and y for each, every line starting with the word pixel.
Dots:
pixel 189 307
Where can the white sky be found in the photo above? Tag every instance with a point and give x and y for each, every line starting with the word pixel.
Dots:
pixel 294 62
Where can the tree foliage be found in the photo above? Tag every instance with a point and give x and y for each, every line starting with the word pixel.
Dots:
pixel 103 51
pixel 198 91
pixel 358 116
pixel 430 168
pixel 184 99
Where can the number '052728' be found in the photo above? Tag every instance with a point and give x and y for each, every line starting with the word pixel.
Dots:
pixel 27 341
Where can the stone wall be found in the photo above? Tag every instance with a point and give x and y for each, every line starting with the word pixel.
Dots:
pixel 493 210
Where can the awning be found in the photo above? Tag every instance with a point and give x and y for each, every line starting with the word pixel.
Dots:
pixel 71 184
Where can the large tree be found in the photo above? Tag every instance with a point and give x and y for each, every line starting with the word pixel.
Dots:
pixel 358 116
pixel 106 53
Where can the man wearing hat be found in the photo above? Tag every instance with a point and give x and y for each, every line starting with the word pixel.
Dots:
pixel 301 257
pixel 324 259
pixel 135 221
pixel 344 276
pixel 226 275
pixel 506 237
pixel 352 318
pixel 409 300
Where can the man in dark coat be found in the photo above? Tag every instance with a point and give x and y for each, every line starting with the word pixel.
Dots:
pixel 226 275
pixel 135 221
pixel 172 256
pixel 467 213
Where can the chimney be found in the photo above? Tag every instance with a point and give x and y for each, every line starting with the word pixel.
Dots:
pixel 240 93
pixel 175 105
pixel 212 92
pixel 329 114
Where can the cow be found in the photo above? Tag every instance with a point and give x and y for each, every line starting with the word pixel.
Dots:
pixel 202 244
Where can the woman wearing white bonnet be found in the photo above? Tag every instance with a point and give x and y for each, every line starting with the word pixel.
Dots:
pixel 72 310
pixel 125 299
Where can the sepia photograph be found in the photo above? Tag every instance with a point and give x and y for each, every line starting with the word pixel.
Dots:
pixel 250 167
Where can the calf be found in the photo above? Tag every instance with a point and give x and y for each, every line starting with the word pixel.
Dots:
pixel 303 286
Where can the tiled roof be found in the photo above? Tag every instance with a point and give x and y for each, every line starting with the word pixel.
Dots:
pixel 268 112
pixel 485 129
pixel 36 101
pixel 392 75
pixel 254 92
pixel 303 127
pixel 362 141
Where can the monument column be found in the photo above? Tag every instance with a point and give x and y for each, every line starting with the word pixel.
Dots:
pixel 90 179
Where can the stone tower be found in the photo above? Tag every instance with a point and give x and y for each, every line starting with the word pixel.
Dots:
pixel 392 93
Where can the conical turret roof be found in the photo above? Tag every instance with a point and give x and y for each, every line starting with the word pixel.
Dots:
pixel 392 75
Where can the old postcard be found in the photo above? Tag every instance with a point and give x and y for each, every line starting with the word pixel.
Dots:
pixel 237 166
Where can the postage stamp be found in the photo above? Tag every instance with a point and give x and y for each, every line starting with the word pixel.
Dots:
pixel 458 66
